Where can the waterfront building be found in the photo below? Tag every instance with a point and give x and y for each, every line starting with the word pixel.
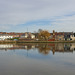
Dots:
pixel 5 36
pixel 28 35
pixel 68 36
pixel 59 36
pixel 72 37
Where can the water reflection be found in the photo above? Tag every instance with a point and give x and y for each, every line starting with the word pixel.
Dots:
pixel 14 59
pixel 43 48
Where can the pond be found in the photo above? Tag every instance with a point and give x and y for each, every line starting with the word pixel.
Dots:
pixel 37 59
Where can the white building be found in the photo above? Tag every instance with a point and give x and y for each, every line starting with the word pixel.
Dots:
pixel 32 36
pixel 72 37
pixel 28 35
pixel 5 36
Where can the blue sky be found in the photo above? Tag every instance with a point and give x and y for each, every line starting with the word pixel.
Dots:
pixel 18 15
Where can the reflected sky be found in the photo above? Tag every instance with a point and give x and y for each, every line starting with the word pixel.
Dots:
pixel 33 62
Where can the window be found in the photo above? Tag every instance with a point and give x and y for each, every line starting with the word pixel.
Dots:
pixel 59 38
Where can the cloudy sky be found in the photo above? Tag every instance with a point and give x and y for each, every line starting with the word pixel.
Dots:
pixel 20 15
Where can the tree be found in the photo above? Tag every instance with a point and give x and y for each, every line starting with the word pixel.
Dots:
pixel 44 35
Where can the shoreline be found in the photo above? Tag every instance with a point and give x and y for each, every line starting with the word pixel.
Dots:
pixel 37 42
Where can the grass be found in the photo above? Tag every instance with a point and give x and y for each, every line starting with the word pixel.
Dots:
pixel 45 41
pixel 11 41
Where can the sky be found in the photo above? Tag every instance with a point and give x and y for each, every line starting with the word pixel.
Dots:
pixel 31 15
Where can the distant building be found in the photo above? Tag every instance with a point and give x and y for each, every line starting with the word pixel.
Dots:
pixel 59 36
pixel 5 36
pixel 68 35
pixel 27 35
pixel 56 36
pixel 14 34
pixel 72 37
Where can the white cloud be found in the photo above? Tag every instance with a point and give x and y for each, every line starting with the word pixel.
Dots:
pixel 14 12
pixel 65 23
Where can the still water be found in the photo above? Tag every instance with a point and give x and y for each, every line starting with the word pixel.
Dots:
pixel 37 59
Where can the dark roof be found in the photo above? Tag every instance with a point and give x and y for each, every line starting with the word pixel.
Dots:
pixel 68 33
pixel 60 33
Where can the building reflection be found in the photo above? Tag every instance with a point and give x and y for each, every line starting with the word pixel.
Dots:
pixel 43 48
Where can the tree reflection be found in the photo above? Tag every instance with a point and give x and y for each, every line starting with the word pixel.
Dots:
pixel 43 48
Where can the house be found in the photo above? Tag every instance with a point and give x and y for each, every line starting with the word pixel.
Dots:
pixel 56 36
pixel 36 35
pixel 72 37
pixel 64 36
pixel 15 35
pixel 59 36
pixel 68 36
pixel 27 35
pixel 5 36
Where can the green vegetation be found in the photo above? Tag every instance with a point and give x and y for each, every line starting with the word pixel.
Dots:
pixel 11 41
pixel 16 38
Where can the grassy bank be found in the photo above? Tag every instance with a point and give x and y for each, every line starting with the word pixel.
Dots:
pixel 37 41
pixel 6 42
pixel 45 41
